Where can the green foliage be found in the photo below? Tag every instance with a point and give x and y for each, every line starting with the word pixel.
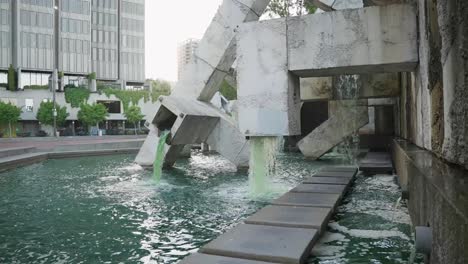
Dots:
pixel 92 76
pixel 36 87
pixel 158 88
pixel 60 74
pixel 11 78
pixel 228 91
pixel 134 115
pixel 45 114
pixel 9 114
pixel 92 114
pixel 76 96
pixel 127 96
pixel 284 8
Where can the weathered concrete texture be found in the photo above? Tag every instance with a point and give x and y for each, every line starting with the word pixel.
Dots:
pixel 268 95
pixel 328 180
pixel 319 188
pixel 292 216
pixel 308 199
pixel 227 140
pixel 342 123
pixel 198 258
pixel 377 85
pixel 217 49
pixel 453 26
pixel 367 40
pixel 438 194
pixel 265 243
pixel 7 152
pixel 316 88
pixel 191 121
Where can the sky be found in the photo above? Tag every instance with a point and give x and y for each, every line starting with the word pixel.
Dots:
pixel 169 22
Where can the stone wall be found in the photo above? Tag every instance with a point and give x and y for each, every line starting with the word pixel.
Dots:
pixel 434 103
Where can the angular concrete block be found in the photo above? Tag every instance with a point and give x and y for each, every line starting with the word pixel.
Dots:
pixel 341 124
pixel 268 95
pixel 198 258
pixel 264 243
pixel 217 49
pixel 328 180
pixel 319 188
pixel 308 199
pixel 366 40
pixel 291 216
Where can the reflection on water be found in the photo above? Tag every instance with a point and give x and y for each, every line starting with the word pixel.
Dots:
pixel 106 210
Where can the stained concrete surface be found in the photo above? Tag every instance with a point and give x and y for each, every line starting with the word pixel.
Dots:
pixel 265 243
pixel 319 188
pixel 308 199
pixel 328 180
pixel 198 258
pixel 291 216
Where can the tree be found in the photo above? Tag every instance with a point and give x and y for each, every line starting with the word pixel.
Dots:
pixel 9 113
pixel 45 114
pixel 11 78
pixel 284 8
pixel 92 114
pixel 134 115
pixel 228 91
pixel 158 88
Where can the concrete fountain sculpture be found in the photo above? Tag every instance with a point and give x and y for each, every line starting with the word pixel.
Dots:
pixel 272 56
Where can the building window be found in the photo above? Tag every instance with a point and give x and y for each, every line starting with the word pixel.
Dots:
pixel 29 105
pixel 113 107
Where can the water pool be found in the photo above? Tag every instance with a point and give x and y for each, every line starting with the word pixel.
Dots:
pixel 106 210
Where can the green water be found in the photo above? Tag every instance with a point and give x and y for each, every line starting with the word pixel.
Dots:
pixel 159 158
pixel 263 153
pixel 106 210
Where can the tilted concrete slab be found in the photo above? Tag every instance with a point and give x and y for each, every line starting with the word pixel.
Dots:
pixel 202 79
pixel 366 40
pixel 198 258
pixel 319 188
pixel 340 125
pixel 264 243
pixel 308 199
pixel 328 180
pixel 268 95
pixel 292 216
pixel 217 49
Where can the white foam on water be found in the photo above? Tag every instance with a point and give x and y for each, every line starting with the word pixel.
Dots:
pixel 371 234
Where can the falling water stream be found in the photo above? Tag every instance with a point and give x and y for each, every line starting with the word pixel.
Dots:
pixel 159 158
pixel 263 153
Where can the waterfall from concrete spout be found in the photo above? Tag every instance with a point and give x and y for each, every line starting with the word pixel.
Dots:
pixel 348 94
pixel 263 153
pixel 159 158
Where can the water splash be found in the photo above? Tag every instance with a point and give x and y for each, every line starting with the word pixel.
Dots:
pixel 263 153
pixel 159 158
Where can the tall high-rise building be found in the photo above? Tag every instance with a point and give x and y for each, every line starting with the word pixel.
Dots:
pixel 185 52
pixel 77 37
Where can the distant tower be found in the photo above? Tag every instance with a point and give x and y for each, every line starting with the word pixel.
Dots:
pixel 185 52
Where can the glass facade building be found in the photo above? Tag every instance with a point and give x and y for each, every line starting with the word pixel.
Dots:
pixel 75 36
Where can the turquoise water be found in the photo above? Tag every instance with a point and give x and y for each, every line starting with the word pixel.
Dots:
pixel 106 210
